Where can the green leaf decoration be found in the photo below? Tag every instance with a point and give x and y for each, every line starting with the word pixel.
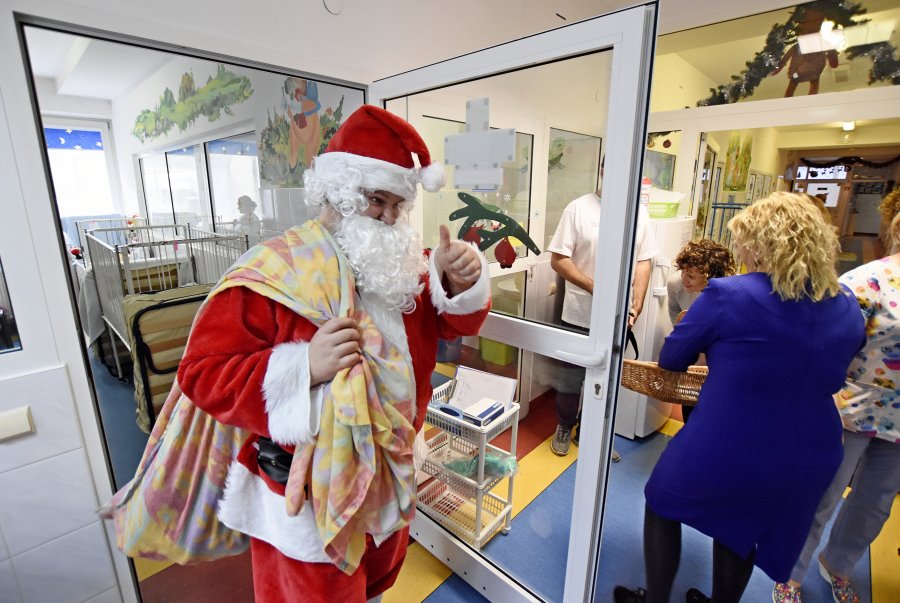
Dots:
pixel 475 211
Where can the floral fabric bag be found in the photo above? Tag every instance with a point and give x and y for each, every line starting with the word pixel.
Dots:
pixel 168 511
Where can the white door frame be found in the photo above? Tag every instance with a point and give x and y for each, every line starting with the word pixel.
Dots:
pixel 629 34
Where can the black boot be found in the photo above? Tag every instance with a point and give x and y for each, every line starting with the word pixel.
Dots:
pixel 623 594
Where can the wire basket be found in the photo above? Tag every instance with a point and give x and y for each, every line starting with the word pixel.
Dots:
pixel 666 386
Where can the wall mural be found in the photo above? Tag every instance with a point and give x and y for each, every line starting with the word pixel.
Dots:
pixel 782 50
pixel 737 162
pixel 296 132
pixel 215 97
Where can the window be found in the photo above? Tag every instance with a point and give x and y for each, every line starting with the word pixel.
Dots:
pixel 233 172
pixel 175 182
pixel 189 200
pixel 81 175
pixel 157 195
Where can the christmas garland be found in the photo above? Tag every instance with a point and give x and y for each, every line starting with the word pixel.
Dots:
pixel 850 161
pixel 885 65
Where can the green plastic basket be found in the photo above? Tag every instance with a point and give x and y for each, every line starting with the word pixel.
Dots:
pixel 662 209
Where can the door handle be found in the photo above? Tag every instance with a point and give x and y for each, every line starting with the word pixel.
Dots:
pixel 594 361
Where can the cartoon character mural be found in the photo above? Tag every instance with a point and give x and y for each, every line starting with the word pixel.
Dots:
pixel 301 101
pixel 297 128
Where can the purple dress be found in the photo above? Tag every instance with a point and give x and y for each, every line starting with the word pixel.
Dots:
pixel 764 442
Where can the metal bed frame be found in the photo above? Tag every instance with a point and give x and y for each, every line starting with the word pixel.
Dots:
pixel 155 258
pixel 85 226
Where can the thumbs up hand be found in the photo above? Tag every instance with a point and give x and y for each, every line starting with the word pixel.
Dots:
pixel 457 261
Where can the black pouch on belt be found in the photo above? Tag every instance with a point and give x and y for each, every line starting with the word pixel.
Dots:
pixel 274 460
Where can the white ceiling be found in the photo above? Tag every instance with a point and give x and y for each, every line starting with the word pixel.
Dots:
pixel 97 69
pixel 361 42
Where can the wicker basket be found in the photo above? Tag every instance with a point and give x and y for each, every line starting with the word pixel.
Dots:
pixel 664 385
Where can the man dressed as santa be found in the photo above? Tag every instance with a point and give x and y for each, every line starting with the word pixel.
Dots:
pixel 321 344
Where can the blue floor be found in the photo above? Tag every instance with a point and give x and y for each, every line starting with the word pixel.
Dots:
pixel 124 440
pixel 534 551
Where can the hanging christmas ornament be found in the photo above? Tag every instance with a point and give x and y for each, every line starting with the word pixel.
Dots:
pixel 505 253
pixel 472 236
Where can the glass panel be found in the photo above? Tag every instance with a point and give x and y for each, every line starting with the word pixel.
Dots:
pixel 234 173
pixel 573 167
pixel 543 484
pixel 173 121
pixel 557 160
pixel 511 199
pixel 157 194
pixel 9 334
pixel 188 199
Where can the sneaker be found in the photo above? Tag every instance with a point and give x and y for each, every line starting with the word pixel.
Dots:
pixel 576 431
pixel 785 593
pixel 616 457
pixel 559 445
pixel 694 595
pixel 841 590
pixel 623 594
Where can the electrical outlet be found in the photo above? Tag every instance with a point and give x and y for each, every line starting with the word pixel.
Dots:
pixel 16 422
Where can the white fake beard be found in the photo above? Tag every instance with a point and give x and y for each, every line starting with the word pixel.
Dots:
pixel 387 261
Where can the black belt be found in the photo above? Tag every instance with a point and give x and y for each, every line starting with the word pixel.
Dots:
pixel 274 460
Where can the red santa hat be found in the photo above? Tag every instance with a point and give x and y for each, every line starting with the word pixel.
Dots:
pixel 380 145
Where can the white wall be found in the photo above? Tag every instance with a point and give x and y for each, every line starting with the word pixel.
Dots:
pixel 676 84
pixel 70 106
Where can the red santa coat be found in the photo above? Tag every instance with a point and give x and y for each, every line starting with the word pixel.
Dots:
pixel 246 364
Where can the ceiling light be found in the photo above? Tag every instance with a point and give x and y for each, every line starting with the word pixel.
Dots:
pixel 848 126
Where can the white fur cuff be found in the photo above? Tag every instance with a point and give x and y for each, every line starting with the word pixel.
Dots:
pixel 469 301
pixel 294 411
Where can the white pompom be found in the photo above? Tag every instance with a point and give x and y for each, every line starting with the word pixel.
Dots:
pixel 432 177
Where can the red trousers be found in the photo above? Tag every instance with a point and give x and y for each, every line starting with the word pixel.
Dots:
pixel 280 579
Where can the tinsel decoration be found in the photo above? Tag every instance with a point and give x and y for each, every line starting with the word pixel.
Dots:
pixel 851 160
pixel 885 65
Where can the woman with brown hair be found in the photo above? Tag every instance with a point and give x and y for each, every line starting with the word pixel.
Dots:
pixel 765 439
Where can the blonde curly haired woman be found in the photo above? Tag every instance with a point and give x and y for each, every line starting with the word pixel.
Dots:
pixel 764 442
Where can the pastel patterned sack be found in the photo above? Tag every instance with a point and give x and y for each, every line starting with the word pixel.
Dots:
pixel 168 511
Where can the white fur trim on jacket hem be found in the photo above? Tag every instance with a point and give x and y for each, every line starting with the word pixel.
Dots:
pixel 294 411
pixel 469 301
pixel 249 506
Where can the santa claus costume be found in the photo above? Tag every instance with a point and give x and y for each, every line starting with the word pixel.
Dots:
pixel 247 365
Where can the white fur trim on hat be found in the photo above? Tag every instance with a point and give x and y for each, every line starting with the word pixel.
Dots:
pixel 377 175
pixel 469 301
pixel 432 177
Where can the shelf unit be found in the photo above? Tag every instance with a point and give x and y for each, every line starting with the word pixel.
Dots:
pixel 466 505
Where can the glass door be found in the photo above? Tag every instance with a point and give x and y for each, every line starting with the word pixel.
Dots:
pixel 570 95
